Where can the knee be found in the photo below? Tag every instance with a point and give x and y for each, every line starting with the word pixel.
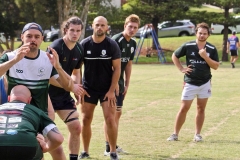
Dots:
pixel 86 120
pixel 110 121
pixel 75 128
pixel 201 110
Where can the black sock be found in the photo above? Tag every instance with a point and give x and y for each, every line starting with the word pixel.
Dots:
pixel 73 156
pixel 107 147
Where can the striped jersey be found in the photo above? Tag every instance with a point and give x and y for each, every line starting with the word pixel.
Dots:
pixel 33 73
pixel 201 72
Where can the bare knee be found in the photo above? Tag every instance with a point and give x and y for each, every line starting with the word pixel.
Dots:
pixel 74 127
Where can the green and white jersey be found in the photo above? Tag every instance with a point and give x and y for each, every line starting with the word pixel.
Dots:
pixel 127 54
pixel 20 123
pixel 201 72
pixel 33 73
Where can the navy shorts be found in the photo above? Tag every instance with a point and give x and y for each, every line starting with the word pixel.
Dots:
pixel 64 105
pixel 120 99
pixel 94 97
pixel 234 52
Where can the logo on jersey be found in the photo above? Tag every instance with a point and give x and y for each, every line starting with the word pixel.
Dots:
pixel 103 53
pixel 12 132
pixel 3 119
pixel 123 50
pixel 2 131
pixel 208 54
pixel 74 59
pixel 14 119
pixel 193 54
pixel 125 59
pixel 128 45
pixel 41 71
pixel 132 49
pixel 88 52
pixel 12 125
pixel 193 61
pixel 64 59
pixel 19 71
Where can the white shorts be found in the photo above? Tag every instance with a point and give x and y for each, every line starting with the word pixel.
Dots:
pixel 191 91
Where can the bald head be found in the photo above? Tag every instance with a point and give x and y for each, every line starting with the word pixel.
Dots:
pixel 20 93
pixel 100 18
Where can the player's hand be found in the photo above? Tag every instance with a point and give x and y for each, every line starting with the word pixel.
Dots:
pixel 187 70
pixel 203 53
pixel 43 144
pixel 80 98
pixel 22 52
pixel 111 98
pixel 54 59
pixel 78 89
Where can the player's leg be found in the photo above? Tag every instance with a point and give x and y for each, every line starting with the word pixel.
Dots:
pixel 203 95
pixel 71 119
pixel 87 110
pixel 201 105
pixel 109 116
pixel 117 118
pixel 188 94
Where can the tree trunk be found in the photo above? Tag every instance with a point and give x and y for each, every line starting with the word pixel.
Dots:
pixel 225 36
pixel 83 17
pixel 64 8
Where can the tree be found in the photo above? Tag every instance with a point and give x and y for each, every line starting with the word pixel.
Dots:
pixel 155 11
pixel 9 22
pixel 225 19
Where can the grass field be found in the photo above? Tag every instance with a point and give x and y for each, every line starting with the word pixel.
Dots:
pixel 149 112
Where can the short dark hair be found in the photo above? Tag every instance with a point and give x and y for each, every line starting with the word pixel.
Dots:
pixel 72 20
pixel 202 25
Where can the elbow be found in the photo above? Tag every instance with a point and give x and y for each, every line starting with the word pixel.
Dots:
pixel 215 67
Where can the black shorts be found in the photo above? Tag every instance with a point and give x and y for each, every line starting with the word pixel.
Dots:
pixel 64 105
pixel 120 98
pixel 94 97
pixel 18 152
pixel 234 52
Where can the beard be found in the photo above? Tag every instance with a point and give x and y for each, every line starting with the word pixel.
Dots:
pixel 33 47
pixel 99 34
pixel 202 39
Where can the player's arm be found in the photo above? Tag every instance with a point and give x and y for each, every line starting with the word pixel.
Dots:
pixel 116 65
pixel 54 137
pixel 227 46
pixel 7 64
pixel 128 71
pixel 178 64
pixel 64 79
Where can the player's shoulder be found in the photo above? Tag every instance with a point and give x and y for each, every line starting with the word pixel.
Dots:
pixel 209 45
pixel 86 40
pixel 118 36
pixel 58 43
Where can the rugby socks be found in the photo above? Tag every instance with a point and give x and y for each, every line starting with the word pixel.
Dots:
pixel 73 157
pixel 107 147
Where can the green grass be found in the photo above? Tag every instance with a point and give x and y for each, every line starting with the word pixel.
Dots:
pixel 149 112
